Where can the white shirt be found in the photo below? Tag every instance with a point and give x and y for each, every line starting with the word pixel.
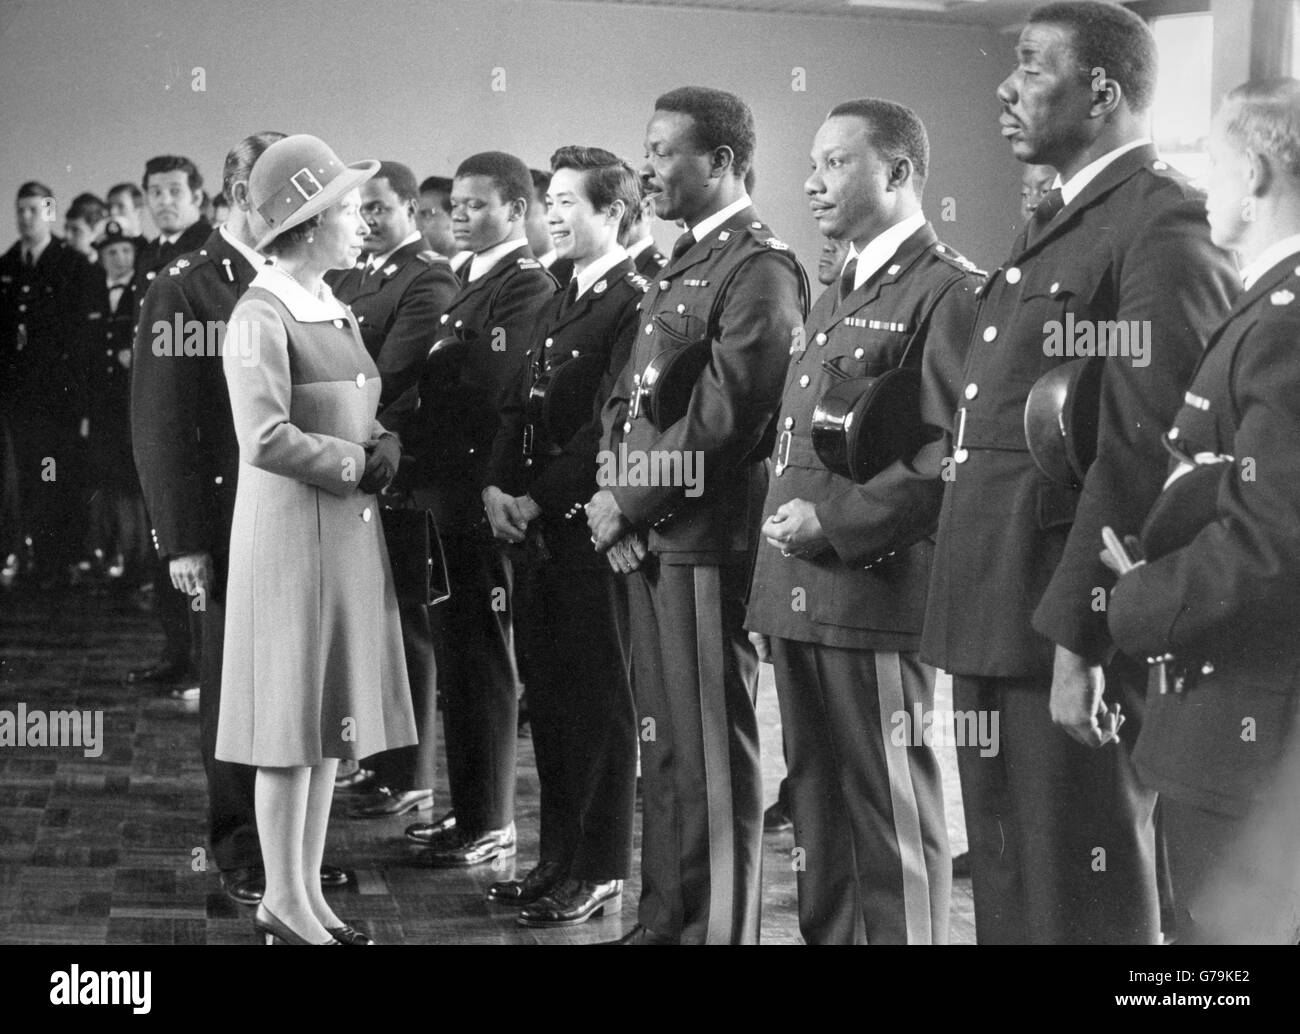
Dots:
pixel 376 261
pixel 482 262
pixel 115 289
pixel 301 303
pixel 1071 190
pixel 460 261
pixel 633 250
pixel 1268 258
pixel 587 277
pixel 707 226
pixel 881 248
pixel 255 258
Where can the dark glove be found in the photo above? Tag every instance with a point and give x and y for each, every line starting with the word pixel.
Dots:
pixel 382 456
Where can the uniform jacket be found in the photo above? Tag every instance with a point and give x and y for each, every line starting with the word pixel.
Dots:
pixel 750 320
pixel 868 590
pixel 155 256
pixel 1230 594
pixel 1013 546
pixel 650 261
pixel 398 309
pixel 451 439
pixel 112 331
pixel 560 475
pixel 45 336
pixel 185 446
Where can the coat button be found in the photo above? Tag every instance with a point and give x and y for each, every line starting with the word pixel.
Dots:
pixel 636 378
pixel 1160 166
pixel 338 324
pixel 1056 286
pixel 820 338
pixel 649 329
pixel 1013 275
pixel 990 333
pixel 972 390
pixel 361 380
pixel 26 288
pixel 789 422
pixel 858 353
pixel 664 285
pixel 550 341
pixel 961 455
pixel 218 479
pixel 365 515
pixel 627 426
pixel 1173 432
pixel 681 308
pixel 445 318
pixel 803 381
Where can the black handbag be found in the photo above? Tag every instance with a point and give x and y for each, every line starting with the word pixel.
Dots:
pixel 415 555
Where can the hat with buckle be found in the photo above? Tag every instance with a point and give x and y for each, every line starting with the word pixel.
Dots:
pixel 299 177
pixel 113 234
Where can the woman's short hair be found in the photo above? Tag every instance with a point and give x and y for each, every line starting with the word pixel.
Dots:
pixel 294 236
pixel 606 178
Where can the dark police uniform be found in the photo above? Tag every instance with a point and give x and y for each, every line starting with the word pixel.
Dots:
pixel 845 624
pixel 45 348
pixel 153 257
pixel 451 441
pixel 1061 839
pixel 187 456
pixel 398 308
pixel 695 669
pixel 649 261
pixel 1214 752
pixel 571 647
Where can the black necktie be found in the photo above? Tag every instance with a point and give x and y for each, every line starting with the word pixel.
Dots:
pixel 683 244
pixel 847 277
pixel 28 262
pixel 570 296
pixel 1044 212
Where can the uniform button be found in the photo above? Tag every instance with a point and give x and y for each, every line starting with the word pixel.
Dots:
pixel 550 341
pixel 961 455
pixel 361 319
pixel 649 329
pixel 575 353
pixel 338 324
pixel 664 285
pixel 365 515
pixel 636 378
pixel 150 276
pixel 803 381
pixel 858 353
pixel 361 380
pixel 1173 432
pixel 218 479
pixel 26 288
pixel 820 338
pixel 1013 275
pixel 789 422
pixel 1056 286
pixel 972 390
pixel 445 318
pixel 627 426
pixel 22 308
pixel 109 352
pixel 1160 166
pixel 990 333
pixel 681 308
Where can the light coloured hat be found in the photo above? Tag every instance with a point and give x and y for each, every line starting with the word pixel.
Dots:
pixel 299 177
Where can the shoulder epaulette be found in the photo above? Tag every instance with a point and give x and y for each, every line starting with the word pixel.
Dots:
pixel 957 259
pixel 528 263
pixel 638 281
pixel 763 234
pixel 431 258
pixel 659 259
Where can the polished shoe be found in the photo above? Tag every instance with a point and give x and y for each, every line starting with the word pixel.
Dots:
pixel 641 935
pixel 347 935
pixel 272 931
pixel 386 802
pixel 777 818
pixel 332 876
pixel 361 782
pixel 574 902
pixel 537 883
pixel 161 671
pixel 463 849
pixel 243 886
pixel 426 833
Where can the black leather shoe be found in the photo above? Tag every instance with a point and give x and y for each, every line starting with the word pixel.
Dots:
pixel 777 818
pixel 537 883
pixel 574 902
pixel 160 671
pixel 332 876
pixel 426 833
pixel 640 935
pixel 464 850
pixel 243 886
pixel 347 935
pixel 385 802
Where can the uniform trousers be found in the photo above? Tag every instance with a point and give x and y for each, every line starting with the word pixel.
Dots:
pixel 702 806
pixel 582 716
pixel 48 458
pixel 414 767
pixel 873 863
pixel 479 681
pixel 1062 838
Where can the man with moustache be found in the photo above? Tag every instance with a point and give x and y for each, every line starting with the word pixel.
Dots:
pixel 1061 839
pixel 487 329
pixel 398 293
pixel 867 809
pixel 735 289
pixel 187 456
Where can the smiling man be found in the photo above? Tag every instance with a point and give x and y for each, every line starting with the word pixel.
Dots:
pixel 732 288
pixel 1061 839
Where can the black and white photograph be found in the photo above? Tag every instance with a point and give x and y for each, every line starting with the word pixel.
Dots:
pixel 572 473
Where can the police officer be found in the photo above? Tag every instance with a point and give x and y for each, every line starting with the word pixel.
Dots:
pixel 1223 603
pixel 568 637
pixel 487 329
pixel 639 242
pixel 738 291
pixel 398 292
pixel 1060 831
pixel 839 589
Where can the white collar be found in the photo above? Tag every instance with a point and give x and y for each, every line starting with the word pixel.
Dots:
pixel 881 248
pixel 460 261
pixel 707 226
pixel 548 259
pixel 302 304
pixel 1268 258
pixel 588 277
pixel 633 250
pixel 483 261
pixel 124 281
pixel 1071 190
pixel 255 258
pixel 375 261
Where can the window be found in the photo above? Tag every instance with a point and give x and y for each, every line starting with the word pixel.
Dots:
pixel 1182 110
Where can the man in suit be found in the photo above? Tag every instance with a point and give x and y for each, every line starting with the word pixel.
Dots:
pixel 434 216
pixel 1222 605
pixel 1061 839
pixel 46 292
pixel 173 190
pixel 839 590
pixel 570 642
pixel 398 292
pixel 689 533
pixel 487 328
pixel 639 242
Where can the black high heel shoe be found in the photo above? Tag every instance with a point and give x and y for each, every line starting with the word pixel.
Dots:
pixel 348 935
pixel 273 931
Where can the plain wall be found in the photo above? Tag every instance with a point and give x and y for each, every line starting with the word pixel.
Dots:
pixel 90 90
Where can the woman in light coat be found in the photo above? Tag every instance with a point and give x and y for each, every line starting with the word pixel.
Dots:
pixel 314 669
